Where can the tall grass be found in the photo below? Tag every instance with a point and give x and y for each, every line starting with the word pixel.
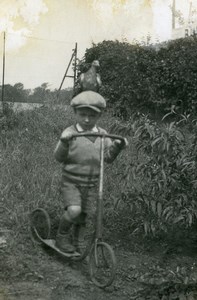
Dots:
pixel 30 176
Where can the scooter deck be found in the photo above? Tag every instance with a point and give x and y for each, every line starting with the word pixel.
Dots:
pixel 51 244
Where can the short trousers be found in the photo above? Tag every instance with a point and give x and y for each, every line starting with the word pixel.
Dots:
pixel 83 196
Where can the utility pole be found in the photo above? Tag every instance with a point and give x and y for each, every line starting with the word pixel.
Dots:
pixel 173 13
pixel 75 66
pixel 190 15
pixel 74 56
pixel 3 76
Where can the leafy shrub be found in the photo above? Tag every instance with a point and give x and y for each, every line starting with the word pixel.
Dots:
pixel 161 183
pixel 147 79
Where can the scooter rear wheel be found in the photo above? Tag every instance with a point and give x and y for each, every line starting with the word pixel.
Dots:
pixel 40 225
pixel 102 264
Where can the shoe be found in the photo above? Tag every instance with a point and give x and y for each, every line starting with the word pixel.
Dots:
pixel 63 243
pixel 79 238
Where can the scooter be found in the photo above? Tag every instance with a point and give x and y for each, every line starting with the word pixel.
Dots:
pixel 102 260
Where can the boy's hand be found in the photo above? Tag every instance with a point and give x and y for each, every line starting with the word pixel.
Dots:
pixel 66 137
pixel 121 143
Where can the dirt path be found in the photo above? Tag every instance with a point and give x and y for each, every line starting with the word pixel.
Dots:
pixel 38 274
pixel 45 276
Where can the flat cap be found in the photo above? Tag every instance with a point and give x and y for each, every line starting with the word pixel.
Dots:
pixel 89 99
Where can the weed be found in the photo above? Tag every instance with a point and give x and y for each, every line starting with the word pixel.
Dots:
pixel 151 186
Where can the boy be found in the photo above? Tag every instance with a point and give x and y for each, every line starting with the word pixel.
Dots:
pixel 80 157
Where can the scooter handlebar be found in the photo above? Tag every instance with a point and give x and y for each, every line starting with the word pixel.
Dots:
pixel 97 134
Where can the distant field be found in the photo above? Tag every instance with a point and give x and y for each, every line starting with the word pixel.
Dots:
pixel 21 106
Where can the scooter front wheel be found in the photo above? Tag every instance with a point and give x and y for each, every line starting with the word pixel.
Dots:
pixel 40 225
pixel 102 264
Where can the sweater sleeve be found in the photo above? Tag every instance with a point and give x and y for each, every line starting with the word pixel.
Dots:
pixel 61 151
pixel 111 150
pixel 62 148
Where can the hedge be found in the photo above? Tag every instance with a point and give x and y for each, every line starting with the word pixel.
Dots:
pixel 148 79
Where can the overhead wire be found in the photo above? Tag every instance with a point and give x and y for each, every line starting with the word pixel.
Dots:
pixel 44 39
pixel 36 57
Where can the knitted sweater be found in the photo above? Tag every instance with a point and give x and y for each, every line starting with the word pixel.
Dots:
pixel 81 156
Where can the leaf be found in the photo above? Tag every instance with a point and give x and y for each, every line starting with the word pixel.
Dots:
pixel 190 218
pixel 171 126
pixel 164 174
pixel 184 197
pixel 139 166
pixel 168 215
pixel 166 210
pixel 152 226
pixel 146 227
pixel 159 209
pixel 138 132
pixel 167 146
pixel 186 280
pixel 146 201
pixel 166 115
pixel 155 141
pixel 131 207
pixel 150 130
pixel 116 202
pixel 153 206
pixel 178 219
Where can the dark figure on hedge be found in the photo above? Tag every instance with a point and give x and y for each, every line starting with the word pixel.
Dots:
pixel 90 80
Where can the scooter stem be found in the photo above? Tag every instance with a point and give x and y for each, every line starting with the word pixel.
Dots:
pixel 99 226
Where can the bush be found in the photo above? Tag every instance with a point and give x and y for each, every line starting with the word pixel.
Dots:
pixel 148 79
pixel 160 184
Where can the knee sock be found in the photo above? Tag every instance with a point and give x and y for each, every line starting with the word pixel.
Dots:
pixel 65 224
pixel 81 219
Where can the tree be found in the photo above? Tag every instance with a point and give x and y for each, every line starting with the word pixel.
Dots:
pixel 21 94
pixel 40 93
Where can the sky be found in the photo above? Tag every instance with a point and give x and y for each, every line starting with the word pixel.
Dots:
pixel 41 34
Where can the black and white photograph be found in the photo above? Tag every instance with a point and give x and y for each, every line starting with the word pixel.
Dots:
pixel 98 149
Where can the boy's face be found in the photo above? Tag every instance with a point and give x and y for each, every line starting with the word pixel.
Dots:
pixel 86 117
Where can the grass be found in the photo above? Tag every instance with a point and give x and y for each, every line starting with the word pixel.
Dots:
pixel 31 178
pixel 30 175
